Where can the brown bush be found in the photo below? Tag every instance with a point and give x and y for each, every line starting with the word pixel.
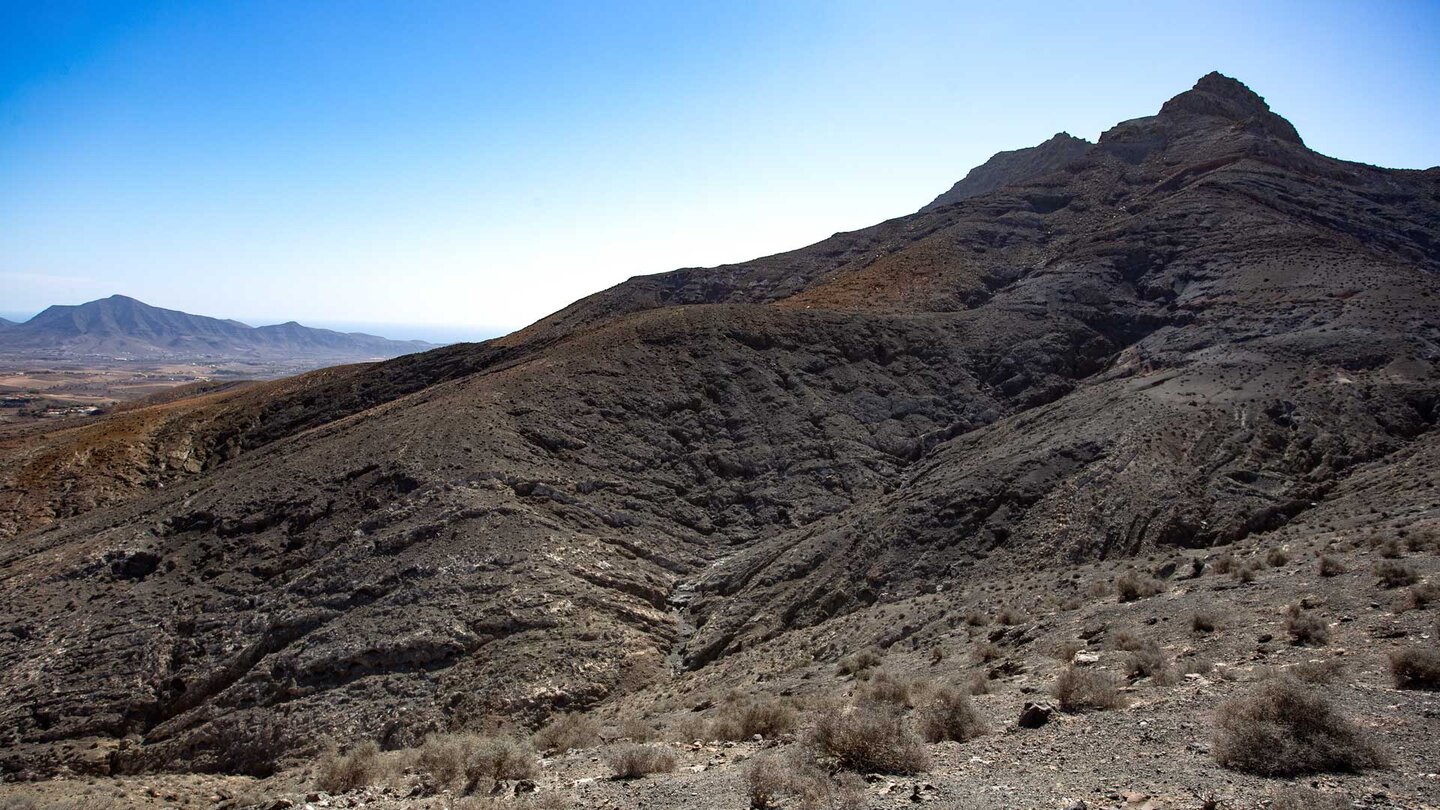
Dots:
pixel 1420 597
pixel 1203 622
pixel 1132 586
pixel 689 728
pixel 1330 567
pixel 352 770
pixel 978 683
pixel 1080 689
pixel 635 729
pixel 1223 563
pixel 985 652
pixel 1010 616
pixel 634 760
pixel 1128 640
pixel 1416 668
pixel 774 776
pixel 742 720
pixel 1390 550
pixel 948 715
pixel 858 662
pixel 1277 557
pixel 870 738
pixel 1149 662
pixel 473 761
pixel 1395 574
pixel 885 687
pixel 1306 628
pixel 1284 728
pixel 572 730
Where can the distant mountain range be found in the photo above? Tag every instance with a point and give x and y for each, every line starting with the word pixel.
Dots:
pixel 123 326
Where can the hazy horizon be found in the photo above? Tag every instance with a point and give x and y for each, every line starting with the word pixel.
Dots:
pixel 466 167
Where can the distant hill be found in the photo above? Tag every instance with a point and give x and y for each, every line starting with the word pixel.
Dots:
pixel 123 326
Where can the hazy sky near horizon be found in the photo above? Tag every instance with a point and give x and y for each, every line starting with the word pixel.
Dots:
pixel 483 164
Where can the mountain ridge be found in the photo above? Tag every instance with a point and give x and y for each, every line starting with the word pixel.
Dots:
pixel 120 324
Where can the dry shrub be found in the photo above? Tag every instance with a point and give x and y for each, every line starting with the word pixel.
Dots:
pixel 978 683
pixel 949 715
pixel 1284 728
pixel 774 776
pixel 688 728
pixel 634 760
pixel 870 738
pixel 1420 597
pixel 1198 665
pixel 1203 621
pixel 742 720
pixel 1010 616
pixel 1330 567
pixel 1244 573
pixel 1129 641
pixel 474 761
pixel 1416 668
pixel 1098 589
pixel 985 652
pixel 568 731
pixel 975 618
pixel 1277 557
pixel 635 729
pixel 352 770
pixel 1223 563
pixel 1080 689
pixel 1305 628
pixel 1390 550
pixel 1149 662
pixel 1317 672
pixel 1132 586
pixel 885 687
pixel 858 662
pixel 1064 651
pixel 1395 574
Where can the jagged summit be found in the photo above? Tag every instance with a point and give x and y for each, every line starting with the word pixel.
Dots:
pixel 1216 95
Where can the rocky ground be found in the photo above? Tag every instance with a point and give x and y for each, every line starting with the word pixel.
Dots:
pixel 1155 752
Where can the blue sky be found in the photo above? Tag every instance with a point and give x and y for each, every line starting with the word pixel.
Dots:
pixel 478 165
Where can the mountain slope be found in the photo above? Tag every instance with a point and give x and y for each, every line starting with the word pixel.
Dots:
pixel 1009 168
pixel 122 325
pixel 1193 334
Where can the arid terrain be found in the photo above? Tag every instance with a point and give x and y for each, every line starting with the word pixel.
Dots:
pixel 1140 431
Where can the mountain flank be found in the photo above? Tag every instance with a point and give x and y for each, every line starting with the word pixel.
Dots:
pixel 120 325
pixel 1106 396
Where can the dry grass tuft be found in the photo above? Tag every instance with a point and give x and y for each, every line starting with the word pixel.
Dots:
pixel 856 663
pixel 633 760
pixel 566 732
pixel 352 770
pixel 1132 586
pixel 1416 668
pixel 1080 689
pixel 870 738
pixel 1284 728
pixel 949 715
pixel 1395 574
pixel 1306 628
pixel 742 720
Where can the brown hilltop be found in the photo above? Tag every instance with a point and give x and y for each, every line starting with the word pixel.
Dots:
pixel 1194 333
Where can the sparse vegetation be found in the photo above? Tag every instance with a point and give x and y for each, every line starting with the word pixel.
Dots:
pixel 1330 566
pixel 635 760
pixel 948 715
pixel 1420 597
pixel 473 761
pixel 1416 668
pixel 1394 574
pixel 338 772
pixel 868 738
pixel 568 731
pixel 1317 672
pixel 1203 621
pixel 1306 628
pixel 1277 557
pixel 1285 728
pixel 858 662
pixel 1079 689
pixel 1132 586
pixel 768 717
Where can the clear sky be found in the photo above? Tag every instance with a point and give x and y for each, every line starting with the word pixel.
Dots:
pixel 478 165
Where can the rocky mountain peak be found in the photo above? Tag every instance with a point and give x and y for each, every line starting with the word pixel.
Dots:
pixel 1216 95
pixel 1011 167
